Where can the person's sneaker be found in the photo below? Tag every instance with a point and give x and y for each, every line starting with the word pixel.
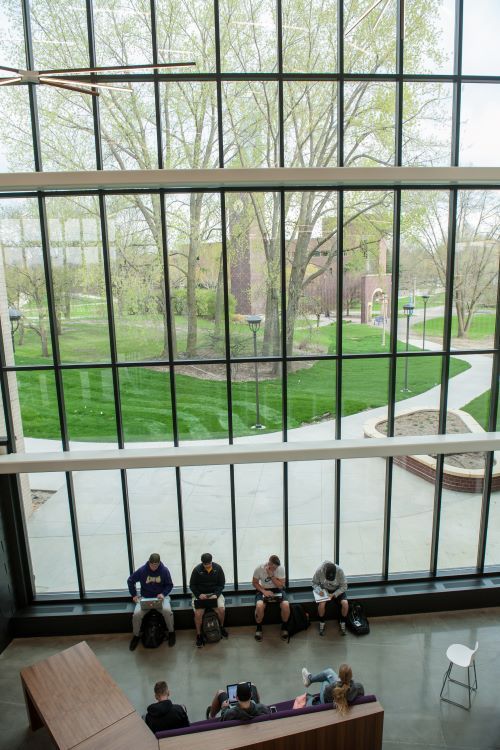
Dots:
pixel 224 633
pixel 306 676
pixel 133 643
pixel 258 633
pixel 199 641
pixel 171 638
pixel 342 628
pixel 284 634
pixel 322 628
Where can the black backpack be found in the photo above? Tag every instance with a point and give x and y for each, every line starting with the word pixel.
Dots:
pixel 357 621
pixel 210 627
pixel 298 620
pixel 154 629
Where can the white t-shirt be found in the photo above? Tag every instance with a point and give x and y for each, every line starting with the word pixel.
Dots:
pixel 263 578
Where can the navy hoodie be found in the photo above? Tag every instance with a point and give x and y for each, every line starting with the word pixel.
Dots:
pixel 153 582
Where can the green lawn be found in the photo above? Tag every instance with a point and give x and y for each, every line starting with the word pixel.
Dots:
pixel 483 324
pixel 201 404
pixel 479 408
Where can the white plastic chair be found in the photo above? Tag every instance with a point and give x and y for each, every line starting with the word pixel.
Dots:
pixel 461 656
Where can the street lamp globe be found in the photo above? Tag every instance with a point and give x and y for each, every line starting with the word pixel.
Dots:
pixel 408 309
pixel 254 322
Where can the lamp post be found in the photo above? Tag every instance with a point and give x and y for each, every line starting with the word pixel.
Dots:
pixel 384 315
pixel 14 317
pixel 425 299
pixel 254 322
pixel 408 311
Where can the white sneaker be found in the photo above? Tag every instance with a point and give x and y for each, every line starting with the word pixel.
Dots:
pixel 342 628
pixel 306 676
pixel 322 628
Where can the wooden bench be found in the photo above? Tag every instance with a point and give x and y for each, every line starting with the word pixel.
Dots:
pixel 72 695
pixel 360 729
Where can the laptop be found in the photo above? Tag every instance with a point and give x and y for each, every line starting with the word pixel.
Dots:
pixel 231 693
pixel 277 596
pixel 205 603
pixel 151 603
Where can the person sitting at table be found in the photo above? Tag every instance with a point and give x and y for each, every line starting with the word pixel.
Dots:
pixel 164 714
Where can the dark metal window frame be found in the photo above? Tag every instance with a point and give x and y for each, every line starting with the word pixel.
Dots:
pixel 398 77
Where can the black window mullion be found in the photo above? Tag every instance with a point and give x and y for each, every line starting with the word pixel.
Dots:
pixel 95 99
pixel 220 127
pixel 35 123
pixel 284 377
pixel 60 387
pixel 445 373
pixel 154 44
pixel 490 456
pixel 115 371
pixel 338 366
pixel 173 398
pixel 393 365
pixel 457 84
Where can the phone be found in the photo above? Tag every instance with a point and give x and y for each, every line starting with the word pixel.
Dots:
pixel 273 709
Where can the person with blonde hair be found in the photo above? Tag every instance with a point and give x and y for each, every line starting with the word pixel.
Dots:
pixel 339 689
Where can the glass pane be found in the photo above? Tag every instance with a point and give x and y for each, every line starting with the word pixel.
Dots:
pixel 310 36
pixel 136 258
pixel 78 279
pixel 16 142
pixel 122 33
pixel 38 415
pixel 311 400
pixel 250 121
pixel 479 113
pixel 365 388
pixel 201 395
pixel 369 129
pixel 422 263
pixel 311 519
pixel 128 127
pixel 49 535
pixel 90 408
pixel 145 404
pixel 367 282
pixel 427 123
pixel 476 270
pixel 253 238
pixel 207 488
pixel 369 36
pixel 259 495
pixel 256 400
pixel 480 40
pixel 101 529
pixel 429 36
pixel 189 125
pixel 23 270
pixel 311 252
pixel 310 122
pixel 66 129
pixel 413 477
pixel 11 34
pixel 196 275
pixel 59 34
pixel 362 516
pixel 248 36
pixel 189 41
pixel 154 518
pixel 464 472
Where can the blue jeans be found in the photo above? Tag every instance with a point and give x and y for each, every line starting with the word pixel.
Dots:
pixel 326 677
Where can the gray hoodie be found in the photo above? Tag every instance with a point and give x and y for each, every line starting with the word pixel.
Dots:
pixel 338 585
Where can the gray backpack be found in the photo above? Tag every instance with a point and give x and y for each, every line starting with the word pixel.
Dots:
pixel 210 627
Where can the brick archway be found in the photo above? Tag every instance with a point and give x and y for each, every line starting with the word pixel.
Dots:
pixel 371 283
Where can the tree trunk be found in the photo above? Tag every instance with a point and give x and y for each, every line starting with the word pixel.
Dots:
pixel 43 338
pixel 194 249
pixel 219 301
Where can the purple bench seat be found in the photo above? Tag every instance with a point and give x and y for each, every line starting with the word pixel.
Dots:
pixel 283 710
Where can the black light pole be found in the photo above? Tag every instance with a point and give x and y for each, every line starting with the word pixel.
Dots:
pixel 425 299
pixel 408 310
pixel 14 317
pixel 254 322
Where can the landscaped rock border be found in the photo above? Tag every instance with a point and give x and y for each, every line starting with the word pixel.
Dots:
pixel 454 477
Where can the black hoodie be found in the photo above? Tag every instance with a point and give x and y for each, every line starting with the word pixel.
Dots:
pixel 166 715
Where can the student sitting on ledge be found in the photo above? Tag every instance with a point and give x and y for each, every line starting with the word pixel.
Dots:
pixel 247 707
pixel 339 688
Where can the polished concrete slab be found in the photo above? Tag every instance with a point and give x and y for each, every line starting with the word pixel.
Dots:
pixel 402 661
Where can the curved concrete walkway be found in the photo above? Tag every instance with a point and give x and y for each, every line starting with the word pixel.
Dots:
pixel 259 510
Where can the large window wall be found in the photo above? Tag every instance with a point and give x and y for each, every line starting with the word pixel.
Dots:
pixel 128 311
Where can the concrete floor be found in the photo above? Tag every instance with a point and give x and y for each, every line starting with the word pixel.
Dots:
pixel 402 661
